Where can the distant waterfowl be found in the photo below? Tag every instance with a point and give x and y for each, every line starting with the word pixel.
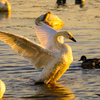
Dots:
pixel 54 64
pixel 90 63
pixel 5 6
pixel 51 20
pixel 80 2
pixel 2 88
pixel 61 2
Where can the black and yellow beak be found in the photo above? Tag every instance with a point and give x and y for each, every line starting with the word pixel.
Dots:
pixel 73 39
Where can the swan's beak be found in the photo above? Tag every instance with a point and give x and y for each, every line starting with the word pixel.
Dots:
pixel 73 39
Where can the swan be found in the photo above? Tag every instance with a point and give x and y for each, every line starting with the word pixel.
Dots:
pixel 2 88
pixel 54 63
pixel 5 6
pixel 51 20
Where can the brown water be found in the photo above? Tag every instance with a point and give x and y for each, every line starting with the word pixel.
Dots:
pixel 76 83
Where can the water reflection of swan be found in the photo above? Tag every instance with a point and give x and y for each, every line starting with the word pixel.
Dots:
pixel 4 6
pixel 54 64
pixel 51 92
pixel 5 15
pixel 2 89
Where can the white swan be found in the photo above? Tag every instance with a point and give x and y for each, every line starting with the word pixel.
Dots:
pixel 51 20
pixel 5 6
pixel 54 64
pixel 2 88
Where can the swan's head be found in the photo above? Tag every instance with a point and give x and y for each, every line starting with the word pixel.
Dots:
pixel 68 35
pixel 2 89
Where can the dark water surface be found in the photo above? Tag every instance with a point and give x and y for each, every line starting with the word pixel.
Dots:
pixel 76 83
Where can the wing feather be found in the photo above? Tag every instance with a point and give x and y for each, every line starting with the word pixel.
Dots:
pixel 45 35
pixel 37 55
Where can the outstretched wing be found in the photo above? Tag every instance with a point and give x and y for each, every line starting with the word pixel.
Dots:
pixel 45 35
pixel 35 53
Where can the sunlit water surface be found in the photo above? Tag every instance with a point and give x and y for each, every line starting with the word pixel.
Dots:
pixel 76 83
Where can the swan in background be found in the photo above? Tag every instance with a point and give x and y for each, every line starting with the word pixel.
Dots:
pixel 54 63
pixel 5 6
pixel 2 88
pixel 51 20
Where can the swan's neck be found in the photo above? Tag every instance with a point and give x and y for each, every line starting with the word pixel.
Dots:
pixel 62 47
pixel 59 45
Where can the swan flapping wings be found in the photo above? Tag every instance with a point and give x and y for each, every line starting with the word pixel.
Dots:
pixel 54 63
pixel 36 54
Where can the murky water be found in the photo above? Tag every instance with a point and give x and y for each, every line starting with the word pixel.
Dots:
pixel 76 83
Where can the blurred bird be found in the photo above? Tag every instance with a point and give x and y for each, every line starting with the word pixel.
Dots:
pixel 5 6
pixel 54 63
pixel 90 63
pixel 2 88
pixel 61 2
pixel 80 2
pixel 51 20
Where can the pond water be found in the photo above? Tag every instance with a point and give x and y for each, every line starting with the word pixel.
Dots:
pixel 76 83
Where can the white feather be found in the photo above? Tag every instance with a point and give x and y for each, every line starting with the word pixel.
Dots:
pixel 45 35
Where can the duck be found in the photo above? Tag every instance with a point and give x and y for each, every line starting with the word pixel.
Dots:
pixel 2 89
pixel 93 63
pixel 5 6
pixel 51 20
pixel 53 64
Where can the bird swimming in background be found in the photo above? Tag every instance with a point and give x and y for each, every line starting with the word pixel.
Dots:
pixel 51 20
pixel 5 6
pixel 90 63
pixel 53 63
pixel 2 88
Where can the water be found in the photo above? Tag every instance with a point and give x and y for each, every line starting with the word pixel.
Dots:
pixel 76 83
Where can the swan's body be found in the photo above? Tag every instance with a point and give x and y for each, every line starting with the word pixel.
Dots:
pixel 5 6
pixel 51 20
pixel 2 88
pixel 54 63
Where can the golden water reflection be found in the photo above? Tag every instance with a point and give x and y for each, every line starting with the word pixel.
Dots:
pixel 5 15
pixel 52 91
